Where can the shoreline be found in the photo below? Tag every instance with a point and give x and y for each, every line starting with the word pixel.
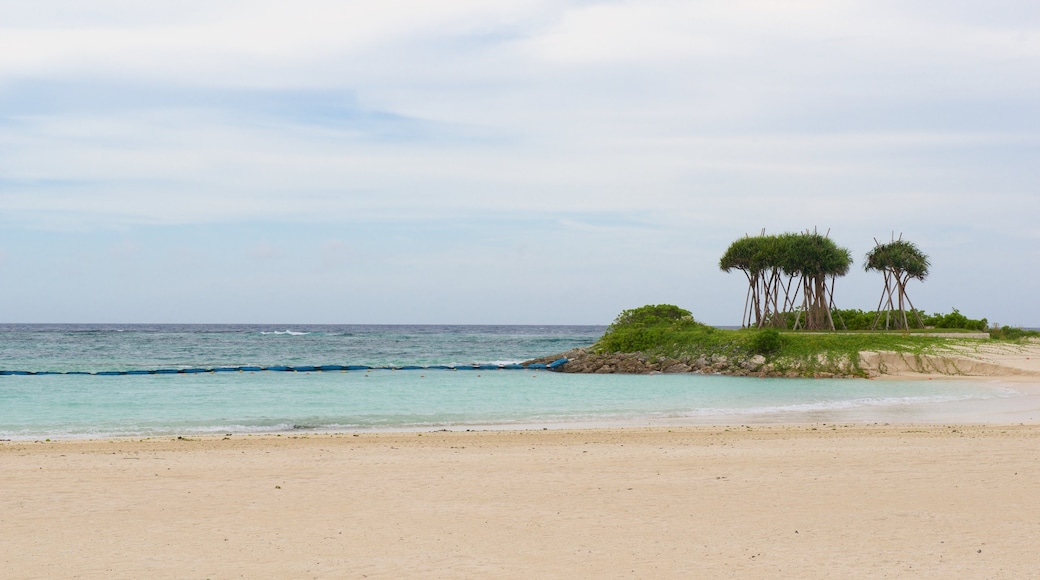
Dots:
pixel 751 501
pixel 979 358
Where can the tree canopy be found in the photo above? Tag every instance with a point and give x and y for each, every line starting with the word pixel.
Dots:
pixel 779 269
pixel 899 261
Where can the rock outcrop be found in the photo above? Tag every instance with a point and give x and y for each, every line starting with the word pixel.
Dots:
pixel 581 360
pixel 1017 361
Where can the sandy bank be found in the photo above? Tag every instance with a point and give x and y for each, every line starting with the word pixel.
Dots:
pixel 779 502
pixel 982 359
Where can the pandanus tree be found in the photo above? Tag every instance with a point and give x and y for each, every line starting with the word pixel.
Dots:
pixel 816 262
pixel 760 260
pixel 745 255
pixel 779 269
pixel 899 261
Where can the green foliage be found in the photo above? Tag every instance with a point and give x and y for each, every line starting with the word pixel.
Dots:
pixel 647 327
pixel 900 257
pixel 1011 333
pixel 804 254
pixel 955 320
pixel 651 315
pixel 813 255
pixel 855 319
pixel 766 341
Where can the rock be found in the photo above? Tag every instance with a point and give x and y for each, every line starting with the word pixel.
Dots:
pixel 753 363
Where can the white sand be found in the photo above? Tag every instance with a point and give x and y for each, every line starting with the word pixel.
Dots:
pixel 762 502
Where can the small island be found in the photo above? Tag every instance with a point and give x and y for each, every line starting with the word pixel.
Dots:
pixel 665 338
pixel 791 328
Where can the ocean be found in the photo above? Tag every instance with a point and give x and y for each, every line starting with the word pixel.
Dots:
pixel 77 384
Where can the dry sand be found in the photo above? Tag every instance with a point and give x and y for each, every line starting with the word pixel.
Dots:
pixel 806 501
pixel 980 359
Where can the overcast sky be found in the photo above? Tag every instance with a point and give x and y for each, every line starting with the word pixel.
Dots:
pixel 516 162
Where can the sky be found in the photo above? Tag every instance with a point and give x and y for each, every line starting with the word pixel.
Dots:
pixel 506 162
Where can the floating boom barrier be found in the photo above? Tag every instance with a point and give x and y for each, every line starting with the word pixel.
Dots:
pixel 553 366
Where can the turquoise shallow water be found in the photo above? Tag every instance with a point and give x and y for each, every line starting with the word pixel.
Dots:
pixel 240 402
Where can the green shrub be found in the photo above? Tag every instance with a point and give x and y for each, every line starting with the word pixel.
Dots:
pixel 955 320
pixel 1012 333
pixel 652 327
pixel 766 341
pixel 855 319
pixel 651 315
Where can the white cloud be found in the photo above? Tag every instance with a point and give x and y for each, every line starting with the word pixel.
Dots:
pixel 655 129
pixel 257 43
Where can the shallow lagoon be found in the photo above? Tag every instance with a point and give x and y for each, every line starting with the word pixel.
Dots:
pixel 101 406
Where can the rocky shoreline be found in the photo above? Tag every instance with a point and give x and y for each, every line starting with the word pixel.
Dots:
pixel 582 360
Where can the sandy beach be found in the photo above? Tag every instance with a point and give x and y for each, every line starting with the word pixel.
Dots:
pixel 759 501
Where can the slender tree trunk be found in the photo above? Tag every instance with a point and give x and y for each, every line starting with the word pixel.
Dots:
pixel 831 308
pixel 902 290
pixel 898 275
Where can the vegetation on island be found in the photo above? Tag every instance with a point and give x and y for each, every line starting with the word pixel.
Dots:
pixel 791 280
pixel 899 261
pixel 670 336
pixel 788 273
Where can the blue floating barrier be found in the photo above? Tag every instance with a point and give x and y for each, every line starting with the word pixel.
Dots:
pixel 302 368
